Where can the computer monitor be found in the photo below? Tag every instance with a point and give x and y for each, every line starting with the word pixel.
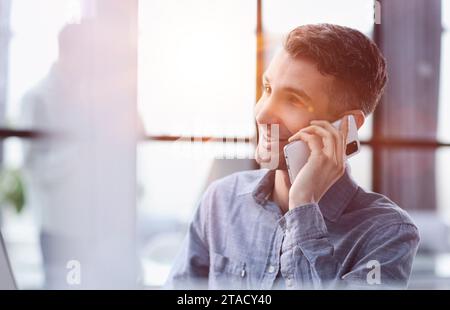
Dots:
pixel 6 276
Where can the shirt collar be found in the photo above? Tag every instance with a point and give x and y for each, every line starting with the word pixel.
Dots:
pixel 332 204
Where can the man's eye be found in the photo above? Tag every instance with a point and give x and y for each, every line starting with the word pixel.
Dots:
pixel 267 89
pixel 295 100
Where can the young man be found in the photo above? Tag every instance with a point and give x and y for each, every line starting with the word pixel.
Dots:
pixel 253 229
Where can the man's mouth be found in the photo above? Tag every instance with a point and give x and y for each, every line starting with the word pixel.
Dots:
pixel 270 139
pixel 267 143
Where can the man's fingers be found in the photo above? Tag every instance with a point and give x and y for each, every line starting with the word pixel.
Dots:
pixel 326 125
pixel 333 141
pixel 314 142
pixel 344 130
pixel 340 136
pixel 335 132
pixel 328 139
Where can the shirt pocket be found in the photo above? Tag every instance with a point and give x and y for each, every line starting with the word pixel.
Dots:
pixel 227 273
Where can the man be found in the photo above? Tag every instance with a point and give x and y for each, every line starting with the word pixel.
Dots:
pixel 254 229
pixel 52 166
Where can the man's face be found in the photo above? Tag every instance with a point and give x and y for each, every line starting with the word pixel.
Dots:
pixel 295 93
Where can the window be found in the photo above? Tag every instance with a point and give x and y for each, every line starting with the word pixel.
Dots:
pixel 60 81
pixel 197 64
pixel 443 133
pixel 196 67
pixel 33 26
pixel 212 53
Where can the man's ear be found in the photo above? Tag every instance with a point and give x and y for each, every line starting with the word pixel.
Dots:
pixel 359 117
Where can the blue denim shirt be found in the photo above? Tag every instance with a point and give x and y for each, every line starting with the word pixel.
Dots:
pixel 239 239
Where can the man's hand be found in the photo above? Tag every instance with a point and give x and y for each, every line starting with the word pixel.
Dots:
pixel 326 163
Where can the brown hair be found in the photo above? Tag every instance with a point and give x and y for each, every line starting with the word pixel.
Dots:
pixel 353 59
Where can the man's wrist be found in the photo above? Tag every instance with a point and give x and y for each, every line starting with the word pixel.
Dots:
pixel 300 200
pixel 303 223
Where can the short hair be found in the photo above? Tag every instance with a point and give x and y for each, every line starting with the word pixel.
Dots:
pixel 352 58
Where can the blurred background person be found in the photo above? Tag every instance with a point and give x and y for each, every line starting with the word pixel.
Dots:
pixel 56 105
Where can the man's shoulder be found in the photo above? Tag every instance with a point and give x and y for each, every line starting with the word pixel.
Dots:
pixel 379 209
pixel 238 183
pixel 226 194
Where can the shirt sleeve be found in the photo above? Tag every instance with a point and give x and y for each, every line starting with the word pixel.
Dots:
pixel 191 267
pixel 384 261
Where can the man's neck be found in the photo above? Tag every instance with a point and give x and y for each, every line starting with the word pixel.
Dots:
pixel 280 192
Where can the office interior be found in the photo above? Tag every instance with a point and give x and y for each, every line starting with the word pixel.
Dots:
pixel 116 115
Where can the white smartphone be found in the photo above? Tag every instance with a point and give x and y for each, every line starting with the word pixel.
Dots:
pixel 297 152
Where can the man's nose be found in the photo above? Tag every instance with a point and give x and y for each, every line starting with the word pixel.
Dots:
pixel 266 112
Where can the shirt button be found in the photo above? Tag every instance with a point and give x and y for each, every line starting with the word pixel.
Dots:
pixel 289 282
pixel 242 273
pixel 271 269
